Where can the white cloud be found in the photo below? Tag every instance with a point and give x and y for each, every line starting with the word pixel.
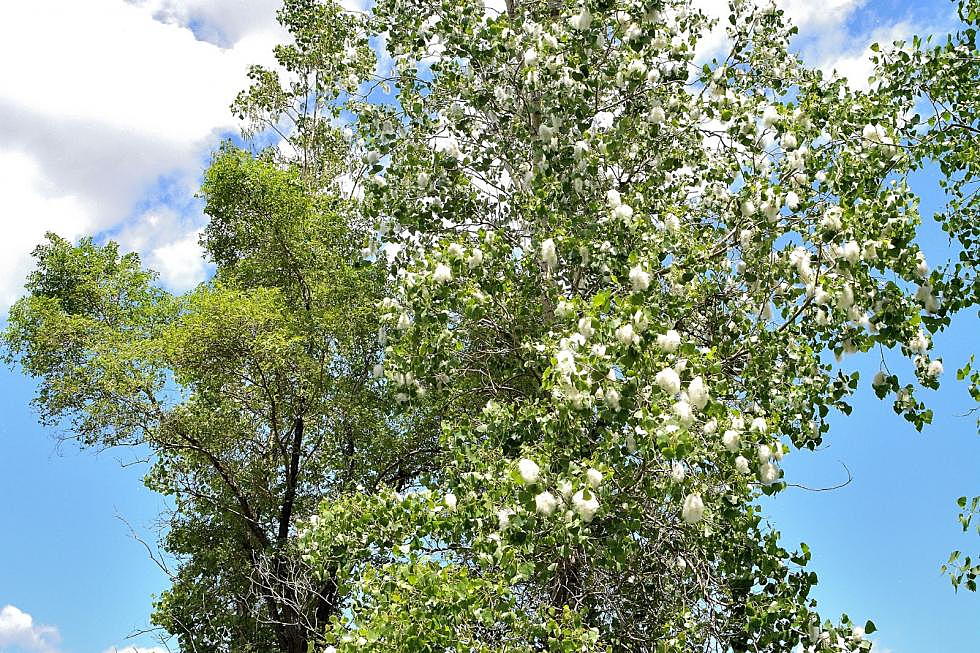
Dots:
pixel 168 241
pixel 180 262
pixel 855 65
pixel 852 60
pixel 114 97
pixel 222 22
pixel 807 14
pixel 816 21
pixel 826 36
pixel 17 628
pixel 803 13
pixel 113 65
pixel 833 36
pixel 26 195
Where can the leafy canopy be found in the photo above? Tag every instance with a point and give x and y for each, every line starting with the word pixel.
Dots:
pixel 614 273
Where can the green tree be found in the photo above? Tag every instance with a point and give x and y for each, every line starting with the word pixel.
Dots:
pixel 254 393
pixel 608 277
pixel 626 269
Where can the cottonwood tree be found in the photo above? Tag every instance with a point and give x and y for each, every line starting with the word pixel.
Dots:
pixel 253 394
pixel 628 267
pixel 613 269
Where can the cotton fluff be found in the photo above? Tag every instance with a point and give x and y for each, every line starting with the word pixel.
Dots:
pixel 565 362
pixel 677 471
pixel 456 251
pixel 612 398
pixel 920 343
pixel 636 68
pixel 800 259
pixel 626 335
pixel 549 254
pixel 764 453
pixel 582 20
pixel 668 380
pixel 768 473
pixel 442 273
pixel 769 116
pixel 771 209
pixel 565 489
pixel 870 252
pixel 851 252
pixel 831 220
pixel 742 465
pixel 450 500
pixel 682 410
pixel 640 278
pixel 759 425
pixel 846 298
pixel 594 477
pixel 545 503
pixel 693 509
pixel 669 342
pixel 924 294
pixel 697 393
pixel 631 443
pixel 404 321
pixel 922 267
pixel 640 321
pixel 623 212
pixel 732 440
pixel 529 470
pixel 585 508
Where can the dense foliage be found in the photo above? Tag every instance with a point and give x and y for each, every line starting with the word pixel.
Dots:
pixel 253 394
pixel 615 266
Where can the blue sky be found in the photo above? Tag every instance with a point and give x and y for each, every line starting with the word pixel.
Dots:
pixel 878 543
pixel 121 154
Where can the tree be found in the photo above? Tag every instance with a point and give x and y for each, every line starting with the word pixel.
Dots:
pixel 254 394
pixel 626 268
pixel 612 271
